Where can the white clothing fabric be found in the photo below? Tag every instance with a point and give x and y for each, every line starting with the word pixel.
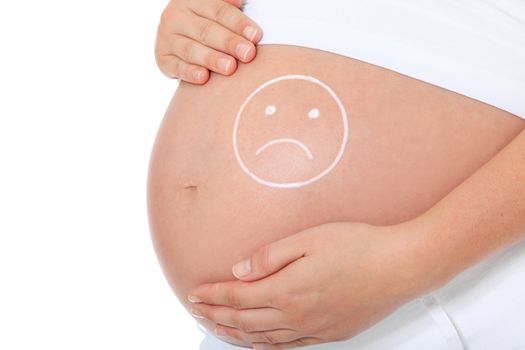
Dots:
pixel 473 47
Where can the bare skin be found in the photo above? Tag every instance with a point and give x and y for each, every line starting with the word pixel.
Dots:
pixel 410 145
pixel 379 267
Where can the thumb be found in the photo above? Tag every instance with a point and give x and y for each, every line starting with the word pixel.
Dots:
pixel 270 258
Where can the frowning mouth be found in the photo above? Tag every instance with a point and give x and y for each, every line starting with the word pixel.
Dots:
pixel 286 140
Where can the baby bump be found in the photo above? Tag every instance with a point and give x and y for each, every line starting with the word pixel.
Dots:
pixel 298 138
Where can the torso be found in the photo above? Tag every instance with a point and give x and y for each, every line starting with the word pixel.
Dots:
pixel 409 144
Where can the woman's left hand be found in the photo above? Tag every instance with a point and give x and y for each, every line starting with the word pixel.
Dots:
pixel 324 284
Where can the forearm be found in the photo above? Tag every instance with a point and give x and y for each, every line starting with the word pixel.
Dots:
pixel 480 217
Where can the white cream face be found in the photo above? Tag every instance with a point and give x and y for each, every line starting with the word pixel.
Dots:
pixel 290 132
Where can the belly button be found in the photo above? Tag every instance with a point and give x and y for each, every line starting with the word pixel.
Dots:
pixel 190 187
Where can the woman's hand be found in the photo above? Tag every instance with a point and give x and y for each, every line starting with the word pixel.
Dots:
pixel 194 37
pixel 327 283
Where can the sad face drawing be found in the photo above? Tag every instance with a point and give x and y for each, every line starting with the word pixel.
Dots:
pixel 290 132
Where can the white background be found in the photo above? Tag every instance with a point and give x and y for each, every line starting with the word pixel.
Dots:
pixel 81 99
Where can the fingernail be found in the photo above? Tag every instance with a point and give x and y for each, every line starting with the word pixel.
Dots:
pixel 220 332
pixel 250 33
pixel 242 50
pixel 197 75
pixel 194 299
pixel 242 269
pixel 196 313
pixel 224 64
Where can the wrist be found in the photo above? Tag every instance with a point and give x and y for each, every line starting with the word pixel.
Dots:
pixel 430 262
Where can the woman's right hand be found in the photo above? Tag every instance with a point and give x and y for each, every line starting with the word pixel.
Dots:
pixel 195 37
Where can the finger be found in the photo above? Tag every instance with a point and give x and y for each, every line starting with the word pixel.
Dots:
pixel 195 53
pixel 270 258
pixel 213 35
pixel 247 320
pixel 174 67
pixel 274 336
pixel 236 294
pixel 289 345
pixel 230 17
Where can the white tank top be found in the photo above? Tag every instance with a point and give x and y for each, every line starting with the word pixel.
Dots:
pixel 473 47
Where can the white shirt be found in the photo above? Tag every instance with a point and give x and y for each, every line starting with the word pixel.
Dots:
pixel 473 47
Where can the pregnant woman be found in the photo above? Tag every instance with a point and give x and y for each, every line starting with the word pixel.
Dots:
pixel 369 163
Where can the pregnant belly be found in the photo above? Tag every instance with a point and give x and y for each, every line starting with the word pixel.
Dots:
pixel 298 138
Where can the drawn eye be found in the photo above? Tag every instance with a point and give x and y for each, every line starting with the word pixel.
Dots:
pixel 270 110
pixel 314 113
